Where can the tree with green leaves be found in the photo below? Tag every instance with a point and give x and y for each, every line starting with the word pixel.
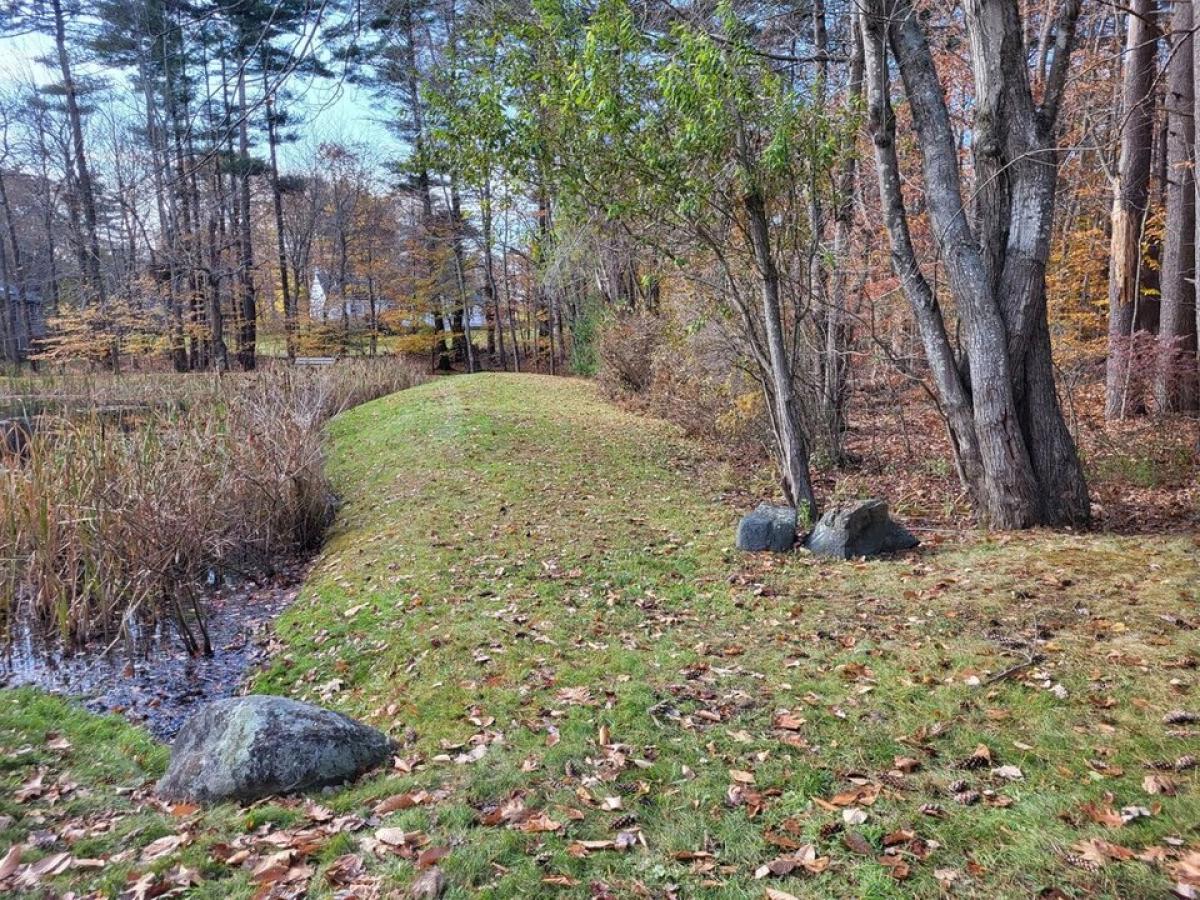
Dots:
pixel 683 131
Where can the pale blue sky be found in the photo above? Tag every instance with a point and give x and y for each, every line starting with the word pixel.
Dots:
pixel 331 109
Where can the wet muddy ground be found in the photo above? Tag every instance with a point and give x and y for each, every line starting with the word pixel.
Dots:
pixel 157 683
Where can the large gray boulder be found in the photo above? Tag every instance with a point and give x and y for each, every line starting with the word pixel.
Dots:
pixel 858 528
pixel 244 748
pixel 769 527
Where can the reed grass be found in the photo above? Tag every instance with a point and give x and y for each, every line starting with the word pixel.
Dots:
pixel 127 493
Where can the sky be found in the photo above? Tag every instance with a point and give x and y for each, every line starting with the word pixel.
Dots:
pixel 331 109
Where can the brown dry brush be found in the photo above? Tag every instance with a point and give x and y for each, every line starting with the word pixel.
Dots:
pixel 125 494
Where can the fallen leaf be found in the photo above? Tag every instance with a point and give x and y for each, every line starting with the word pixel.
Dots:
pixel 1159 784
pixel 1102 815
pixel 947 877
pixel 400 801
pixel 162 847
pixel 30 790
pixel 431 856
pixel 788 721
pixel 859 844
pixel 11 860
pixel 896 867
pixel 396 837
pixel 539 822
pixel 46 867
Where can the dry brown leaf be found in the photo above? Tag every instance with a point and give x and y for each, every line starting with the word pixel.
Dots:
pixel 46 867
pixel 397 837
pixel 789 721
pixel 401 801
pixel 1102 815
pixel 11 860
pixel 538 823
pixel 431 856
pixel 1160 784
pixel 896 866
pixel 31 789
pixel 1099 852
pixel 163 846
pixel 857 843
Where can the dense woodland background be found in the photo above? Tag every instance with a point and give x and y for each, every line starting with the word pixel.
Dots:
pixel 758 218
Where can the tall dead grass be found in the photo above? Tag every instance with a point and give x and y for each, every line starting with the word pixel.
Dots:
pixel 126 494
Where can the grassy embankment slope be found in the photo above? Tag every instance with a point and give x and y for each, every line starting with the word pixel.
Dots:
pixel 520 566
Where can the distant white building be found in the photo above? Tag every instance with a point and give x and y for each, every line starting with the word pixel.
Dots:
pixel 323 308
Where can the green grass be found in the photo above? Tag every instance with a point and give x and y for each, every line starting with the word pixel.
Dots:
pixel 505 538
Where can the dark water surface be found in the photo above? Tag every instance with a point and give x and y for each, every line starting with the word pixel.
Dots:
pixel 157 683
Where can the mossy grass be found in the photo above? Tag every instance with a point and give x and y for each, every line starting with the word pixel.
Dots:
pixel 503 538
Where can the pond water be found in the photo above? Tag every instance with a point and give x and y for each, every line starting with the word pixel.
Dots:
pixel 157 683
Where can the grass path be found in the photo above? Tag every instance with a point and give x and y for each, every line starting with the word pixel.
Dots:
pixel 535 593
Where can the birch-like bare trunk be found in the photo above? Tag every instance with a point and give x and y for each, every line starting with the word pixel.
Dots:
pixel 1175 387
pixel 1131 194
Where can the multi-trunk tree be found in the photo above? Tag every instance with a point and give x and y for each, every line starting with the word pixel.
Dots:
pixel 996 388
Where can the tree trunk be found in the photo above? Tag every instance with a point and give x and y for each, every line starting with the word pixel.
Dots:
pixel 248 331
pixel 553 311
pixel 835 362
pixel 793 450
pixel 489 271
pixel 460 278
pixel 462 353
pixel 1175 387
pixel 1014 451
pixel 21 332
pixel 1195 179
pixel 290 317
pixel 1130 199
pixel 8 321
pixel 87 195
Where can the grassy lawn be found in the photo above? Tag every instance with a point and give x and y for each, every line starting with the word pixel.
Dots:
pixel 535 593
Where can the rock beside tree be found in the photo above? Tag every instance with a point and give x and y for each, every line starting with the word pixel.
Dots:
pixel 769 527
pixel 245 748
pixel 859 528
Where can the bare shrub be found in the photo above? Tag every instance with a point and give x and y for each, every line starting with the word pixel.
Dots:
pixel 697 384
pixel 131 490
pixel 626 349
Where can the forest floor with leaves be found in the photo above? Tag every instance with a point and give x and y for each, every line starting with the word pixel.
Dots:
pixel 535 593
